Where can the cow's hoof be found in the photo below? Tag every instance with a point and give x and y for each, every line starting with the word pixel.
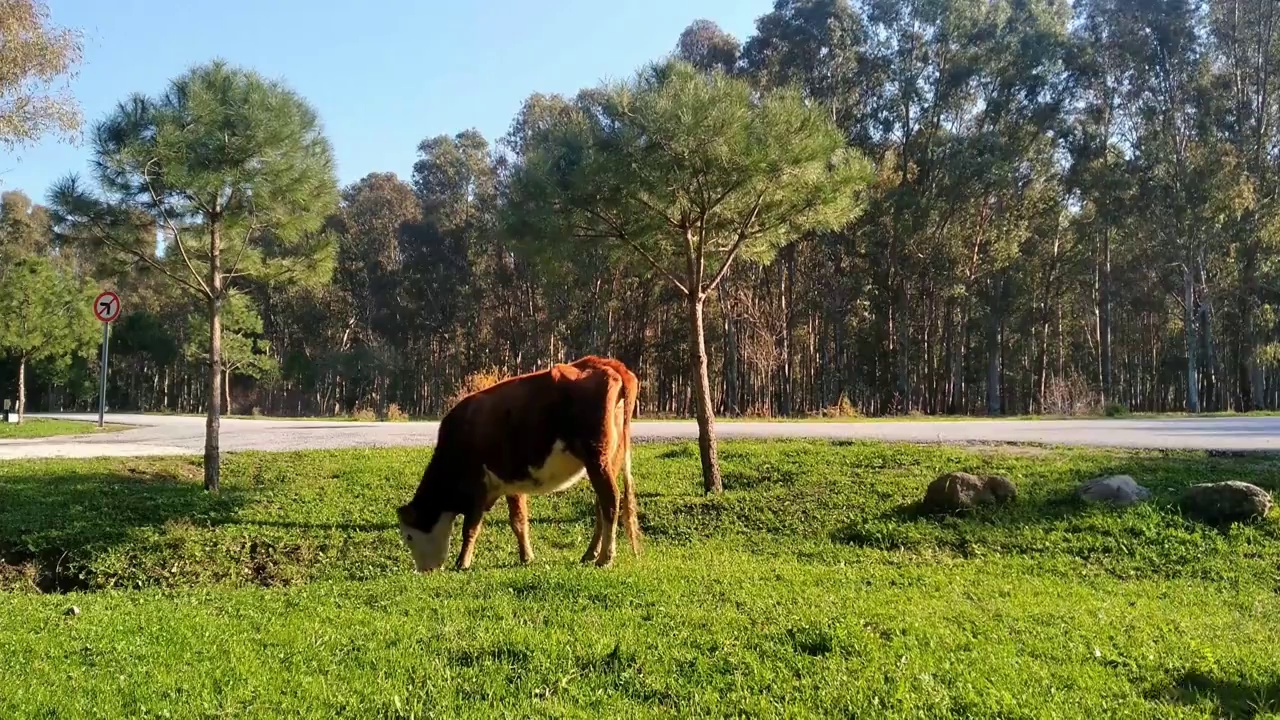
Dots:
pixel 526 560
pixel 604 561
pixel 588 558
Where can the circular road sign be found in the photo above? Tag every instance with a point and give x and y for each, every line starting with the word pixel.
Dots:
pixel 106 307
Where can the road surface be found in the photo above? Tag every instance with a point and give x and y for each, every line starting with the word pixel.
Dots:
pixel 182 435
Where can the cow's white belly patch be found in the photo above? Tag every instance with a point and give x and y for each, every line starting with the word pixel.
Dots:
pixel 559 471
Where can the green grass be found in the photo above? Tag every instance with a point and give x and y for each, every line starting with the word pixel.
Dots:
pixel 45 427
pixel 809 589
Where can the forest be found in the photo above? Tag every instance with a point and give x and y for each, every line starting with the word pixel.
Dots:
pixel 1029 206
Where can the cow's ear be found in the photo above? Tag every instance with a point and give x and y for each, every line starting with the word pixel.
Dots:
pixel 407 515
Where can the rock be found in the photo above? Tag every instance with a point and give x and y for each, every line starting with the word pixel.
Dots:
pixel 961 491
pixel 72 611
pixel 1118 490
pixel 1225 502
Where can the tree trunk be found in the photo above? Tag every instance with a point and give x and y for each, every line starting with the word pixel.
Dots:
pixel 226 390
pixel 212 469
pixel 993 354
pixel 1189 333
pixel 1104 316
pixel 706 421
pixel 903 394
pixel 786 400
pixel 22 388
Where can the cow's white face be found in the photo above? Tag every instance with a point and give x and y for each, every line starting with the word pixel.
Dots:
pixel 430 549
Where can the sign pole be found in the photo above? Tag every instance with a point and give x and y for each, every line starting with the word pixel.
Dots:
pixel 106 307
pixel 102 372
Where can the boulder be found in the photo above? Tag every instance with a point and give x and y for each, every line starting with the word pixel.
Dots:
pixel 957 491
pixel 1118 490
pixel 1225 502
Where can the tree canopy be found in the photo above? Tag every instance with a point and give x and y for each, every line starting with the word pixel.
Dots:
pixel 1065 208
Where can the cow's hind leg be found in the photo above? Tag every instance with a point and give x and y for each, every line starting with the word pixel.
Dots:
pixel 593 550
pixel 518 510
pixel 602 481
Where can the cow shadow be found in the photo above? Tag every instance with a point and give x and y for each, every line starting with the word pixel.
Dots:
pixel 53 522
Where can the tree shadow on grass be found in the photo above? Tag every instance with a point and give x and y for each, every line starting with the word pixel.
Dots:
pixel 53 523
pixel 1047 518
pixel 1233 698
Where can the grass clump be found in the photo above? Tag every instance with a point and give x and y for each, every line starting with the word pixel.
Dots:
pixel 811 587
pixel 31 428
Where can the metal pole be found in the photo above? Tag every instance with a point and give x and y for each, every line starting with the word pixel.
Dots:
pixel 102 372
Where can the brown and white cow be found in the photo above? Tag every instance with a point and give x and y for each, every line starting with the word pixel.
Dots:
pixel 529 435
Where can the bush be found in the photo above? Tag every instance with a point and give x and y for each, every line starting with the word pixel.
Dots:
pixel 395 414
pixel 844 408
pixel 475 382
pixel 364 415
pixel 1115 409
pixel 1070 396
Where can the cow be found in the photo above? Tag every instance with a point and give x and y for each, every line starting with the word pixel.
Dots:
pixel 534 434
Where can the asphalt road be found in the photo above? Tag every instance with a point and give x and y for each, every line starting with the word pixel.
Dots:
pixel 180 435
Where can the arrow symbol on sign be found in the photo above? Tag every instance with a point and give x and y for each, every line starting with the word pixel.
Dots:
pixel 106 307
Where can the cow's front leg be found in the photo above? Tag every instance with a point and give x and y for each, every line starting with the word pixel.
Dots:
pixel 593 550
pixel 518 510
pixel 471 523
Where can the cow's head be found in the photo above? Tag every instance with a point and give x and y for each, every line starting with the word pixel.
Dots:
pixel 427 535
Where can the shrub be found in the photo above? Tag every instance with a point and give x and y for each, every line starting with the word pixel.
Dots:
pixel 395 414
pixel 475 382
pixel 1069 396
pixel 843 408
pixel 364 415
pixel 1115 409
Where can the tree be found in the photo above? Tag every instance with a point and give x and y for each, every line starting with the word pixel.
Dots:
pixel 705 46
pixel 44 315
pixel 236 172
pixel 244 350
pixel 33 56
pixel 688 171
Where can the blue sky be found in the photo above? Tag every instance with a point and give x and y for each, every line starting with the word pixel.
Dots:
pixel 383 74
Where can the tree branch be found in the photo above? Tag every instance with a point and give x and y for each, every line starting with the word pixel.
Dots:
pixel 177 239
pixel 236 265
pixel 654 263
pixel 621 234
pixel 743 234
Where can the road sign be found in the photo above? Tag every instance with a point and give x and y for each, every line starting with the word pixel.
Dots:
pixel 106 307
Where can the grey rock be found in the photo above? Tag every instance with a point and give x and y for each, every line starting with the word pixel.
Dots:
pixel 958 491
pixel 1225 502
pixel 72 611
pixel 1118 490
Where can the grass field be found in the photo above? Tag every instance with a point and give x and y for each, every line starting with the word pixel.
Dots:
pixel 46 427
pixel 809 589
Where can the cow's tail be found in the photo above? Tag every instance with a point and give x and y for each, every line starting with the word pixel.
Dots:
pixel 630 513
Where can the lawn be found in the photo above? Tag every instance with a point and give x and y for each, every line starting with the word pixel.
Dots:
pixel 46 427
pixel 809 589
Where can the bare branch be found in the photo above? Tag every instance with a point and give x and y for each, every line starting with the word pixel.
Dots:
pixel 654 263
pixel 236 265
pixel 177 239
pixel 743 234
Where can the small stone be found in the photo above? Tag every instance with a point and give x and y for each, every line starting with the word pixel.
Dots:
pixel 1118 490
pixel 957 491
pixel 1226 502
pixel 72 611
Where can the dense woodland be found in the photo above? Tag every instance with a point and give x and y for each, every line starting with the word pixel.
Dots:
pixel 1073 209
